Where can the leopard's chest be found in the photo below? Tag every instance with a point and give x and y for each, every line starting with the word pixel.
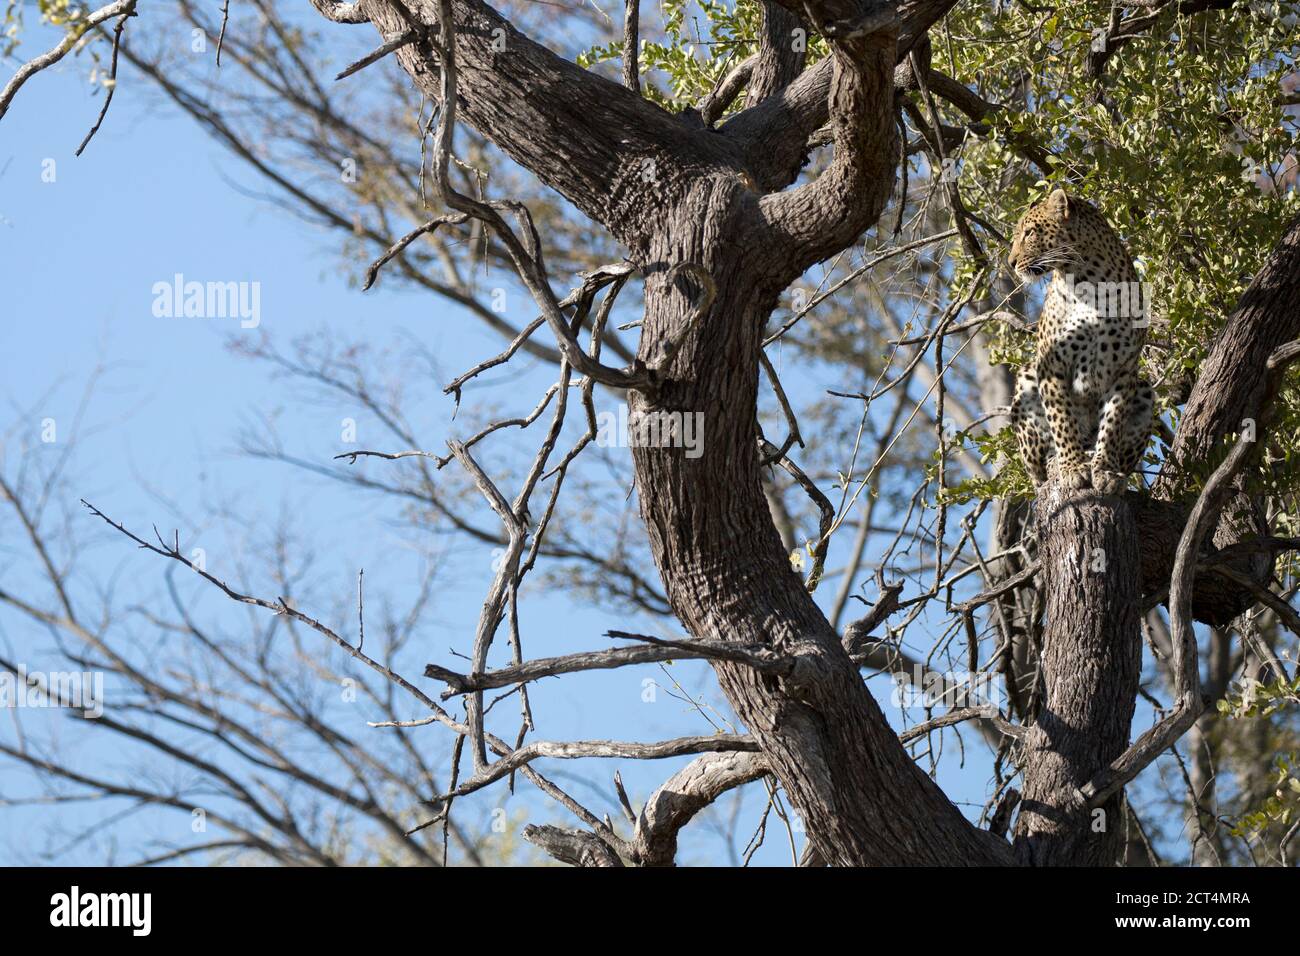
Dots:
pixel 1086 331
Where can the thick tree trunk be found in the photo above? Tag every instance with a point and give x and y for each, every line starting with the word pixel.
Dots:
pixel 1227 400
pixel 677 195
pixel 1090 662
pixel 729 578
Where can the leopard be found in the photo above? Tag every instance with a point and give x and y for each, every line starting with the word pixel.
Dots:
pixel 1082 412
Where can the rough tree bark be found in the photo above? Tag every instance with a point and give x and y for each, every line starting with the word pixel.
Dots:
pixel 1091 664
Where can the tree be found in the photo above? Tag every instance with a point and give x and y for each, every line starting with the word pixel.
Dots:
pixel 719 219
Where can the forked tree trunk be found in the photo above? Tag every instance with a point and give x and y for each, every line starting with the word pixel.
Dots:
pixel 729 577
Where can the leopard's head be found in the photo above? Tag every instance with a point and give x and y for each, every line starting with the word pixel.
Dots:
pixel 1051 235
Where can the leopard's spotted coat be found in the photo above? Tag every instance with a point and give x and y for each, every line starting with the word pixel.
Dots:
pixel 1081 409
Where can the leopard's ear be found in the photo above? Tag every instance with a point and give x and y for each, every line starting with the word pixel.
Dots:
pixel 1059 203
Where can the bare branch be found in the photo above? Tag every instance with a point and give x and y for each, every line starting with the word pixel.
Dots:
pixel 374 56
pixel 45 60
pixel 685 794
pixel 111 85
pixel 763 659
pixel 576 749
pixel 574 847
pixel 631 45
pixel 340 12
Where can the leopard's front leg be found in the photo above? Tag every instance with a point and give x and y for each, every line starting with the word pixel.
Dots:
pixel 1032 430
pixel 1059 401
pixel 1122 433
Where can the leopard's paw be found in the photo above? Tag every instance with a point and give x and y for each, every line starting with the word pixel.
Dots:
pixel 1109 482
pixel 1075 477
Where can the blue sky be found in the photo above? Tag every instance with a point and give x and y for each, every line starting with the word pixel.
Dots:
pixel 79 257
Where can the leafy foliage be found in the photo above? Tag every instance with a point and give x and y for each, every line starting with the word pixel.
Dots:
pixel 1280 807
pixel 1183 142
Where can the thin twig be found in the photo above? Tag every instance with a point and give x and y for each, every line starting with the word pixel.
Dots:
pixel 112 78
